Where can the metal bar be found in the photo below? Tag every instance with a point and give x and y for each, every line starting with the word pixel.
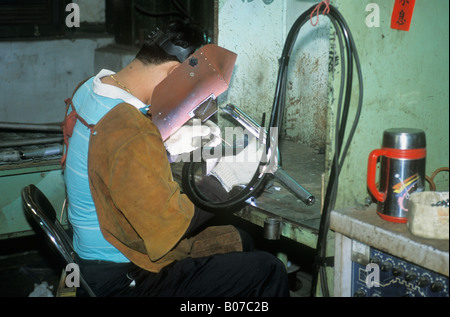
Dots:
pixel 47 127
pixel 243 119
pixel 294 187
pixel 43 152
pixel 12 143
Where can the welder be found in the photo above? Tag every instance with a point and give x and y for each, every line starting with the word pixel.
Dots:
pixel 135 232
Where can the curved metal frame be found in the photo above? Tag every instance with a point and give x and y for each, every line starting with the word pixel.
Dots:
pixel 42 212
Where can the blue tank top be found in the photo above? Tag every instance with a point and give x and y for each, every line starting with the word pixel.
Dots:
pixel 92 101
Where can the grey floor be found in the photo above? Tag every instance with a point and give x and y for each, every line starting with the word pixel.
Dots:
pixel 24 263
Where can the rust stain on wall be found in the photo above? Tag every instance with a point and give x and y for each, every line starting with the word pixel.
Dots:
pixel 307 103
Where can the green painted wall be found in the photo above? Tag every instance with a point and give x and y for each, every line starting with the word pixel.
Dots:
pixel 406 81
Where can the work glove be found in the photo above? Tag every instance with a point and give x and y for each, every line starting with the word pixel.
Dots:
pixel 239 169
pixel 189 137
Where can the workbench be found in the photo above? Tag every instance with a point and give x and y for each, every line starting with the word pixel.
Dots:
pixel 45 173
pixel 300 222
pixel 358 229
pixel 47 176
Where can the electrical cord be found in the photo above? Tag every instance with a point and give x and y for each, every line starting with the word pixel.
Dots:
pixel 238 201
pixel 339 23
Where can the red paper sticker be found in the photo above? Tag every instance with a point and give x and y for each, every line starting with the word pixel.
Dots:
pixel 402 15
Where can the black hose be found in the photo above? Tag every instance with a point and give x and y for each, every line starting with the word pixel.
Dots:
pixel 235 203
pixel 330 197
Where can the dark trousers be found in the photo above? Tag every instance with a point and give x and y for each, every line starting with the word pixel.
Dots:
pixel 237 274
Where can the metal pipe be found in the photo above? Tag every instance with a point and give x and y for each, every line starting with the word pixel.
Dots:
pixel 294 187
pixel 243 119
pixel 9 156
pixel 47 127
pixel 272 228
pixel 43 152
pixel 13 143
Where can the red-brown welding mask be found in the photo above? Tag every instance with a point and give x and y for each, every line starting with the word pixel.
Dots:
pixel 190 89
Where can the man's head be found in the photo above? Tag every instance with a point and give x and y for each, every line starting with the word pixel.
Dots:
pixel 178 38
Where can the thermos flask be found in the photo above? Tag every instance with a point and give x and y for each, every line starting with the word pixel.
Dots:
pixel 402 171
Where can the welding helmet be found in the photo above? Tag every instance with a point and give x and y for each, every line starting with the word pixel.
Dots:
pixel 164 41
pixel 191 89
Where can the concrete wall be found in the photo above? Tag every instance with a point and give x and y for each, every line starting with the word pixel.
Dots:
pixel 92 11
pixel 37 75
pixel 256 30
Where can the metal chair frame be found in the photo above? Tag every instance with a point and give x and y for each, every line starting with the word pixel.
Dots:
pixel 39 208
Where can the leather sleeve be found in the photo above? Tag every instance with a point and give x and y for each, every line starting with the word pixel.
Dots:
pixel 213 190
pixel 142 187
